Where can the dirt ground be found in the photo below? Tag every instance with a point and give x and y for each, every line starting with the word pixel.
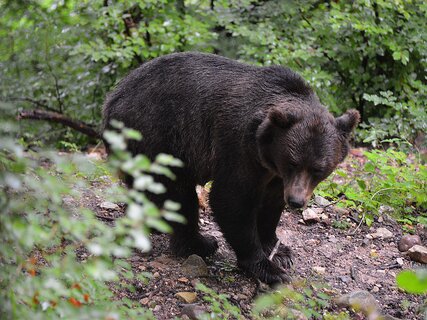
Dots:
pixel 345 259
pixel 351 261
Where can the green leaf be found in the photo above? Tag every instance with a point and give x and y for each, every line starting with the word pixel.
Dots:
pixel 413 282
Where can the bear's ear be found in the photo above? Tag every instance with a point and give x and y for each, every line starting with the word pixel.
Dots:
pixel 348 121
pixel 281 118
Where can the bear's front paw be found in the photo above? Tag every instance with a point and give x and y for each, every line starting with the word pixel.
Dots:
pixel 267 271
pixel 283 257
pixel 203 246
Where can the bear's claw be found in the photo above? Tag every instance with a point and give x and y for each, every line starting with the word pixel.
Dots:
pixel 267 271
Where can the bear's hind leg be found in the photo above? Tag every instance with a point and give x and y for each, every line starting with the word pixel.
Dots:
pixel 186 238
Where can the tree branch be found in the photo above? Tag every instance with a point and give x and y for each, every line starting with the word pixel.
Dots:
pixel 57 117
pixel 37 103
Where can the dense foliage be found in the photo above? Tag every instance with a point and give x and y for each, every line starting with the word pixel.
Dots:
pixel 56 259
pixel 63 56
pixel 372 55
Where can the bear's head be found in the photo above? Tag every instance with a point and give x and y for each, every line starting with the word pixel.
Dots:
pixel 303 148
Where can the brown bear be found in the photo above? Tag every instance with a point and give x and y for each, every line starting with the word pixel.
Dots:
pixel 259 133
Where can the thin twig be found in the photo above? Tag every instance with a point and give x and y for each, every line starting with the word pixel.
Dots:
pixel 358 226
pixel 274 251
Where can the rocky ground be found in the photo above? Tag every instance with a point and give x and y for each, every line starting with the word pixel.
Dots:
pixel 331 246
pixel 347 260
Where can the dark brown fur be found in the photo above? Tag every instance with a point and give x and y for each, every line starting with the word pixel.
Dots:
pixel 260 133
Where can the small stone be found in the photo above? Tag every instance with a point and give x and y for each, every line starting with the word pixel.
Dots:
pixel 321 201
pixel 408 241
pixel 373 253
pixel 109 205
pixel 368 236
pixel 380 219
pixel 382 233
pixel 195 266
pixel 144 301
pixel 193 311
pixel 310 215
pixel 157 308
pixel 312 242
pixel 341 211
pixel 345 279
pixel 332 239
pixel 360 301
pixel 187 297
pixel 399 261
pixel 157 265
pixel 418 253
pixel 183 279
pixel 319 270
pixel 156 275
pixel 375 289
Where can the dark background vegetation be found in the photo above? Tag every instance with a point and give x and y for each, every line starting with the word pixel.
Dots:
pixel 63 56
pixel 59 58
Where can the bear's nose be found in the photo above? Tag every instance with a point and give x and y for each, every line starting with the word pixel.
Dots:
pixel 296 202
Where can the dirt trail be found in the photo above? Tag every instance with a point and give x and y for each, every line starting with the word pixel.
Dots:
pixel 350 261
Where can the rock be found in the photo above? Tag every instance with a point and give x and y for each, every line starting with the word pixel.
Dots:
pixel 109 205
pixel 144 301
pixel 382 233
pixel 187 297
pixel 157 265
pixel 408 241
pixel 195 266
pixel 157 308
pixel 341 211
pixel 399 261
pixel 418 253
pixel 332 239
pixel 183 279
pixel 310 215
pixel 375 289
pixel 360 301
pixel 345 279
pixel 193 311
pixel 319 270
pixel 321 201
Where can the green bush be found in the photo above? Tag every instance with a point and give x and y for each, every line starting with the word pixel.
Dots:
pixel 389 178
pixel 347 50
pixel 56 260
pixel 65 55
